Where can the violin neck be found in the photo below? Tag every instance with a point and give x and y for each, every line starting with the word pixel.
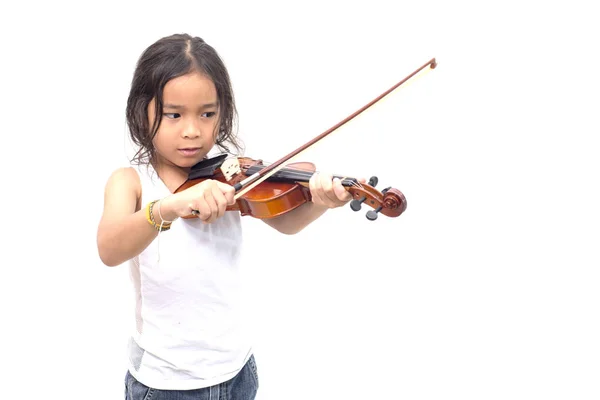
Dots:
pixel 296 175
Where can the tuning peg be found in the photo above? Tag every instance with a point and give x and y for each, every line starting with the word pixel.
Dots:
pixel 372 214
pixel 355 204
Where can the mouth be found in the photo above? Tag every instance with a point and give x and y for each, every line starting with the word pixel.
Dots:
pixel 190 151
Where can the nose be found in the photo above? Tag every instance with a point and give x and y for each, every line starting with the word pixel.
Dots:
pixel 191 130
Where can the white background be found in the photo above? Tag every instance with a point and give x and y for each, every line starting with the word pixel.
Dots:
pixel 486 288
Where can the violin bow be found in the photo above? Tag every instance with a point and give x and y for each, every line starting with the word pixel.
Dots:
pixel 250 182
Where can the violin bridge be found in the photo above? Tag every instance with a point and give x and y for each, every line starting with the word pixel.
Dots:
pixel 230 168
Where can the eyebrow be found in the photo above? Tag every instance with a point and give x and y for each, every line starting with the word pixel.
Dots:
pixel 179 107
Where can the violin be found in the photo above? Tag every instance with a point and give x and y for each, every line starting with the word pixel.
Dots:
pixel 267 191
pixel 288 188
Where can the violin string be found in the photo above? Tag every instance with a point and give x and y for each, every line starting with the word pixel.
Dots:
pixel 304 173
pixel 300 173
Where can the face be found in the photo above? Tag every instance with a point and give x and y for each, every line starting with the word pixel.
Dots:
pixel 189 120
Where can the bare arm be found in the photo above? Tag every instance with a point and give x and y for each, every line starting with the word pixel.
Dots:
pixel 123 231
pixel 294 221
pixel 326 193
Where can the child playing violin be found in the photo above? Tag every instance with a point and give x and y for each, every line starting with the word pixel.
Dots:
pixel 188 340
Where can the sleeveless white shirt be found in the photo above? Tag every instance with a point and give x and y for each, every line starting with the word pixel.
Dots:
pixel 187 283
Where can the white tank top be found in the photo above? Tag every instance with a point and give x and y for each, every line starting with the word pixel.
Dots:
pixel 189 332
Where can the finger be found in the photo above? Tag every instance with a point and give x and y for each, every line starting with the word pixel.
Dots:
pixel 220 201
pixel 315 189
pixel 329 194
pixel 202 206
pixel 228 192
pixel 197 208
pixel 340 192
pixel 212 205
pixel 202 210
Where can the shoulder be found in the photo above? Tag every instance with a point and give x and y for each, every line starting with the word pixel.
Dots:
pixel 124 175
pixel 124 179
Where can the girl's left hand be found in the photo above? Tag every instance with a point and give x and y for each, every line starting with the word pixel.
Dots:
pixel 327 191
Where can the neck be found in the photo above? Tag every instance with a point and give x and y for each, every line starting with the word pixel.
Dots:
pixel 172 175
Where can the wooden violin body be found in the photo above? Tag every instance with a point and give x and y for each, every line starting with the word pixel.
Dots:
pixel 287 189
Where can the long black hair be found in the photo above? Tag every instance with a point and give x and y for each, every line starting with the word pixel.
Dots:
pixel 168 58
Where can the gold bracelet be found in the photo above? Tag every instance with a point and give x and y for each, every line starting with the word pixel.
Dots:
pixel 150 218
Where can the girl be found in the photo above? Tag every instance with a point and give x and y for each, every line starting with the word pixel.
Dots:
pixel 189 341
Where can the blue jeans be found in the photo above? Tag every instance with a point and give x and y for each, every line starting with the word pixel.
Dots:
pixel 243 386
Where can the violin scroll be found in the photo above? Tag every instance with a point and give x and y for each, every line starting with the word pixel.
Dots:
pixel 390 202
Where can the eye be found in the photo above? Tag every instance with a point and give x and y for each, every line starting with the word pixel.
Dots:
pixel 172 115
pixel 209 114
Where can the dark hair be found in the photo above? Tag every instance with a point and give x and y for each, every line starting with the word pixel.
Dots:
pixel 168 58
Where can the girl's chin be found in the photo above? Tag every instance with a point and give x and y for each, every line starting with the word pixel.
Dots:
pixel 181 162
pixel 187 163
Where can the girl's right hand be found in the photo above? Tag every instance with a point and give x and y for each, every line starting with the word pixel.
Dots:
pixel 210 198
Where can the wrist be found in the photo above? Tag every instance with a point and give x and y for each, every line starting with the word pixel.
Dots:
pixel 318 208
pixel 164 212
